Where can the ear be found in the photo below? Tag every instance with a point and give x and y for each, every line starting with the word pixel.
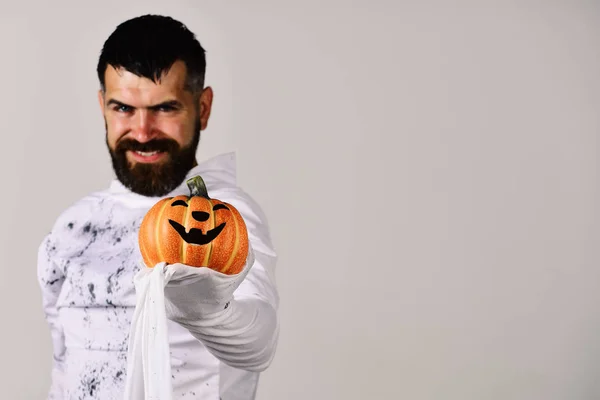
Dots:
pixel 101 100
pixel 205 106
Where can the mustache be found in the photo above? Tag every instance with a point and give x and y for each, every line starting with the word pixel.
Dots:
pixel 165 145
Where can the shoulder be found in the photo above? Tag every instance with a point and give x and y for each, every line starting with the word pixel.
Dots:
pixel 66 223
pixel 243 201
pixel 79 209
pixel 253 213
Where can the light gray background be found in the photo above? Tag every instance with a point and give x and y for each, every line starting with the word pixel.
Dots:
pixel 429 170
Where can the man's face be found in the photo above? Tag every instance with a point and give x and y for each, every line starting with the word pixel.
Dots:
pixel 152 129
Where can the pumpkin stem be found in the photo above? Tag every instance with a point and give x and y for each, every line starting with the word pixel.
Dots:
pixel 197 187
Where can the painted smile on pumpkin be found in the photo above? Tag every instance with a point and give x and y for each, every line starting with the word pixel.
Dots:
pixel 195 235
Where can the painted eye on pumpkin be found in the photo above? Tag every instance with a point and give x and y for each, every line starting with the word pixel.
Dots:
pixel 215 208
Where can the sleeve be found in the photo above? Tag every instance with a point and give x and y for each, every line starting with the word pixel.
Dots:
pixel 50 280
pixel 238 322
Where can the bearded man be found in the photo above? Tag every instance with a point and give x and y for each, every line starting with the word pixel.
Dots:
pixel 155 104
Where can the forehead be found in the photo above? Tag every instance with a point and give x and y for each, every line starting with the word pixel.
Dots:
pixel 137 90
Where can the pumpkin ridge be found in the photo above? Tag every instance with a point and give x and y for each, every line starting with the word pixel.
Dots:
pixel 212 245
pixel 236 246
pixel 156 230
pixel 184 223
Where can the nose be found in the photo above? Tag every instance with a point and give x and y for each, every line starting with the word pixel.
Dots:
pixel 142 128
pixel 200 215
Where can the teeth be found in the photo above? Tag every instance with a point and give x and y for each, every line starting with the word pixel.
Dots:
pixel 146 154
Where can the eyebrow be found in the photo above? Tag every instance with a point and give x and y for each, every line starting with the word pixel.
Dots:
pixel 179 203
pixel 168 103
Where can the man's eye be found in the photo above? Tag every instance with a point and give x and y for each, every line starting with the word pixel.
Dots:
pixel 123 109
pixel 165 108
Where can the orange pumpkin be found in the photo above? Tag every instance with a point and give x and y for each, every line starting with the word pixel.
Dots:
pixel 194 230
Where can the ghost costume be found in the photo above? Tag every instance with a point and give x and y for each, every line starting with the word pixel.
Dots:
pixel 86 269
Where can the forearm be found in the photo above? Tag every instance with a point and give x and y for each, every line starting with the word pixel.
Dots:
pixel 234 317
pixel 244 335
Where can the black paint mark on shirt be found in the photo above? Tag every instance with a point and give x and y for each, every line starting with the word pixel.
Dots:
pixel 91 289
pixel 53 281
pixel 113 280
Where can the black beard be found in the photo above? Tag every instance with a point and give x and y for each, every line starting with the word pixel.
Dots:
pixel 154 180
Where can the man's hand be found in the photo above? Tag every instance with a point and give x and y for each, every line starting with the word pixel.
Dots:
pixel 193 293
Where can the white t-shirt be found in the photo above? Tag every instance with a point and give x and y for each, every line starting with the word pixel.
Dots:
pixel 86 266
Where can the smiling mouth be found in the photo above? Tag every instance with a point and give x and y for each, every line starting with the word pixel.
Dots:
pixel 147 153
pixel 146 156
pixel 195 235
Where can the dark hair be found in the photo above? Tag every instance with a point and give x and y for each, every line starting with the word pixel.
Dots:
pixel 148 46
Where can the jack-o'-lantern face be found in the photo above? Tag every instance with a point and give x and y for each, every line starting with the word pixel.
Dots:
pixel 195 235
pixel 194 230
